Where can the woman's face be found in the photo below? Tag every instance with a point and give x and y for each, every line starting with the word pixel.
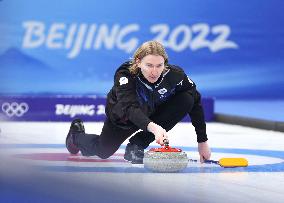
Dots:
pixel 152 67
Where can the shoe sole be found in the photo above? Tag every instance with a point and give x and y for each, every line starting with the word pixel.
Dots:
pixel 70 146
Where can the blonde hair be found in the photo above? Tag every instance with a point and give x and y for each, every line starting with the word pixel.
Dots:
pixel 147 48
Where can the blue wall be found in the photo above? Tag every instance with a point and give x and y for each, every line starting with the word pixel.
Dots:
pixel 230 49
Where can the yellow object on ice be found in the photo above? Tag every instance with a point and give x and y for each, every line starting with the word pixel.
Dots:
pixel 233 162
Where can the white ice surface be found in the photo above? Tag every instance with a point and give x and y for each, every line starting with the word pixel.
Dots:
pixel 228 186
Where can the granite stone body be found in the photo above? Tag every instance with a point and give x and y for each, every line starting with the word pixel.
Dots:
pixel 165 161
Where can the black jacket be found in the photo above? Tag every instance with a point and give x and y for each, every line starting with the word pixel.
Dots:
pixel 132 99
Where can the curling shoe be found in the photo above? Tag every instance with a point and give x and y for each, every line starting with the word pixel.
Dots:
pixel 134 153
pixel 75 128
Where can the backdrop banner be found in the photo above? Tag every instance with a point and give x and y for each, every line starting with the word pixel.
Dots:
pixel 231 50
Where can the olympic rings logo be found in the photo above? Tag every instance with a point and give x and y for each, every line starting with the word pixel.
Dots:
pixel 15 109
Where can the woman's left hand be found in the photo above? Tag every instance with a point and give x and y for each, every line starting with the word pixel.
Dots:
pixel 204 151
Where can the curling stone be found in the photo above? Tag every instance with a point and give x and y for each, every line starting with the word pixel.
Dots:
pixel 165 159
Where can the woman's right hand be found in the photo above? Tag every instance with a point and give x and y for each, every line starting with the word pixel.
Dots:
pixel 159 132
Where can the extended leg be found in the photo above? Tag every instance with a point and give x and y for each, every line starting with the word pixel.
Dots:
pixel 104 145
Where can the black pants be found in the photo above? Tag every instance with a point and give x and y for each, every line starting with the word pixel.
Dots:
pixel 166 115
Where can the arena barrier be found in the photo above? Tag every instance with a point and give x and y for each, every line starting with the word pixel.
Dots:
pixel 66 108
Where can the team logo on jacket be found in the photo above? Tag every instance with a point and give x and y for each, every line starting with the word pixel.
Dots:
pixel 162 91
pixel 123 81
